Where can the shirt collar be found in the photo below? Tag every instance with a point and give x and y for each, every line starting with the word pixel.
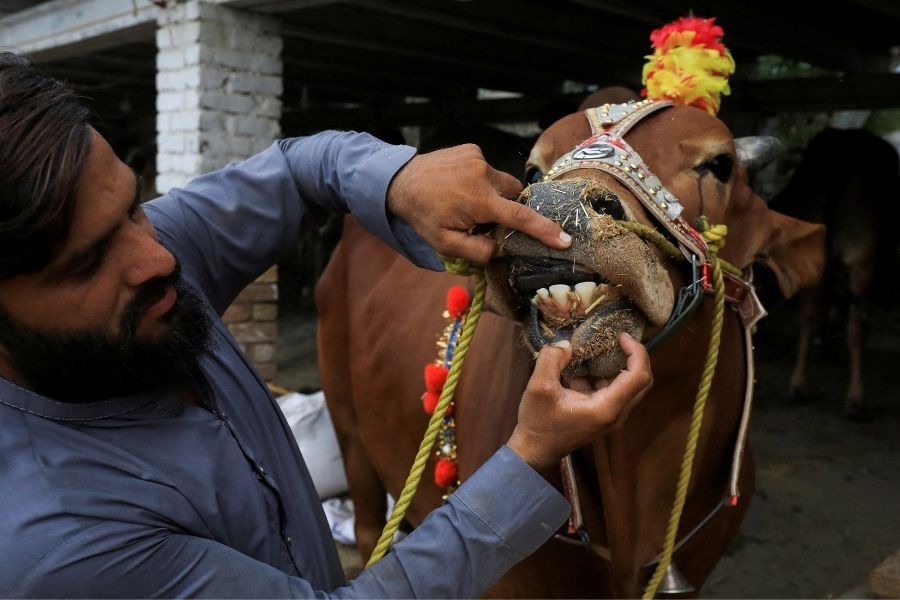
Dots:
pixel 42 406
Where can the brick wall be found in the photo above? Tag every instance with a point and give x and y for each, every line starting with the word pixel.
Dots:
pixel 218 100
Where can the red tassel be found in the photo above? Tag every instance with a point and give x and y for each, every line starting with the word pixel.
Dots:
pixel 435 376
pixel 445 472
pixel 430 401
pixel 457 301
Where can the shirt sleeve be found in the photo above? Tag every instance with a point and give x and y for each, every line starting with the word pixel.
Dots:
pixel 229 226
pixel 460 550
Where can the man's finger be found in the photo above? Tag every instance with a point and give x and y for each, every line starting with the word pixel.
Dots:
pixel 506 185
pixel 580 384
pixel 636 353
pixel 478 249
pixel 515 215
pixel 551 361
pixel 628 386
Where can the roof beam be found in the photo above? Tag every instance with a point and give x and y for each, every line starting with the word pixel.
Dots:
pixel 852 92
pixel 777 95
pixel 818 44
pixel 61 28
pixel 890 8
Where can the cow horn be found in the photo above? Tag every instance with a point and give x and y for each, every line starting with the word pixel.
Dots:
pixel 757 151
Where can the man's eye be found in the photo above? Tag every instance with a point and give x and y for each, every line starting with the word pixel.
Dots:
pixel 88 267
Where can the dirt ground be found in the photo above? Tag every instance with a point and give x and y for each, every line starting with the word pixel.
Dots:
pixel 828 490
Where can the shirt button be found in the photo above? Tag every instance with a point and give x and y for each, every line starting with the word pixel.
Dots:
pixel 260 469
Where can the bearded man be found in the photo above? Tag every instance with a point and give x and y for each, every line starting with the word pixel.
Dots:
pixel 140 454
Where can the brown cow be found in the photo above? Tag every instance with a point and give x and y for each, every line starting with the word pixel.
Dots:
pixel 857 202
pixel 380 317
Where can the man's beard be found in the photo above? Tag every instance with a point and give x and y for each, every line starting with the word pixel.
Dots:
pixel 90 365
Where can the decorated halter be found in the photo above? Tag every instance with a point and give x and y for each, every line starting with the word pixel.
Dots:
pixel 606 150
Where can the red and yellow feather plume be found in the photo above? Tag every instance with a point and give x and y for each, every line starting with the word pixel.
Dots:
pixel 689 64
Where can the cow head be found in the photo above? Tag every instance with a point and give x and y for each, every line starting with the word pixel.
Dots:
pixel 611 280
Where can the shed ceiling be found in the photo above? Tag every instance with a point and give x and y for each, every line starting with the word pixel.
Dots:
pixel 355 63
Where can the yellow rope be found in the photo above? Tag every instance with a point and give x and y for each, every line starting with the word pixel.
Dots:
pixel 651 235
pixel 456 267
pixel 715 237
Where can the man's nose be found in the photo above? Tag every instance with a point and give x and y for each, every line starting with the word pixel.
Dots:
pixel 148 258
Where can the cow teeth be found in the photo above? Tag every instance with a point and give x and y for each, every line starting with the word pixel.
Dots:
pixel 585 291
pixel 541 297
pixel 560 293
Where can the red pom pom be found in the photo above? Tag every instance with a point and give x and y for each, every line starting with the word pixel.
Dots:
pixel 457 301
pixel 430 401
pixel 435 376
pixel 445 473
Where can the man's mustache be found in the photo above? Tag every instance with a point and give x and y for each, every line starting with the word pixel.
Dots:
pixel 147 295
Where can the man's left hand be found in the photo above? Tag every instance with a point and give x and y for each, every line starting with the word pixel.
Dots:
pixel 444 194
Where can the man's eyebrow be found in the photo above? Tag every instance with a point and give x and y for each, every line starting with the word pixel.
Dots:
pixel 84 255
pixel 138 186
pixel 87 254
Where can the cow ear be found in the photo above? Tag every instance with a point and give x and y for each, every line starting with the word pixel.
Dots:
pixel 795 252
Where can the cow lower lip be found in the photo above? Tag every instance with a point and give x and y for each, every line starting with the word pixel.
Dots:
pixel 595 340
pixel 539 334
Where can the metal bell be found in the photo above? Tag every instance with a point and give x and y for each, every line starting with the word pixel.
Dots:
pixel 673 582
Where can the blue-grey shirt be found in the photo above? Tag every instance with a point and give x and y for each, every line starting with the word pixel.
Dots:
pixel 147 496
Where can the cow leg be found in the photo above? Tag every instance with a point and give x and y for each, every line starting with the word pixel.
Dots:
pixel 797 388
pixel 860 279
pixel 335 366
pixel 368 494
pixel 855 340
pixel 366 489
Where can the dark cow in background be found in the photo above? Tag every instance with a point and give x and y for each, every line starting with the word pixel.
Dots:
pixel 848 181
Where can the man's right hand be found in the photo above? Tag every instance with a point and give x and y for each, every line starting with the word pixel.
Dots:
pixel 555 420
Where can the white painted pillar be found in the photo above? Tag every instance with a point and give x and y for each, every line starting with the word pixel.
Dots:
pixel 218 100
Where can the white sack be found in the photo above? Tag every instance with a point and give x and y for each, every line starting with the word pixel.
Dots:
pixel 309 420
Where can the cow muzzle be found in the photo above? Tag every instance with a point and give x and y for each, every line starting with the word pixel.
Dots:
pixel 607 282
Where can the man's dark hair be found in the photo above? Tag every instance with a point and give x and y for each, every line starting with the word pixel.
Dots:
pixel 44 139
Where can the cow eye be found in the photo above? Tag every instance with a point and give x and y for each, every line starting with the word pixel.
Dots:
pixel 533 175
pixel 721 167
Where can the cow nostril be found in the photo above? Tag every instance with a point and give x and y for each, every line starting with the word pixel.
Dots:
pixel 607 203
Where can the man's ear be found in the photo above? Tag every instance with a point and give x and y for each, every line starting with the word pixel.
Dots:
pixel 795 252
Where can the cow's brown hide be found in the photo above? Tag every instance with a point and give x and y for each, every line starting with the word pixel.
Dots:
pixel 380 318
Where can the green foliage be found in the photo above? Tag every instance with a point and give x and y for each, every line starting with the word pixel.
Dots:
pixel 771 66
pixel 796 129
pixel 883 122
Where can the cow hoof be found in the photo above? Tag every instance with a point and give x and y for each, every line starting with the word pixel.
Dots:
pixel 855 411
pixel 799 396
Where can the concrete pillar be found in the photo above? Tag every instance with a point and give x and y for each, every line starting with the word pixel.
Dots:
pixel 218 99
